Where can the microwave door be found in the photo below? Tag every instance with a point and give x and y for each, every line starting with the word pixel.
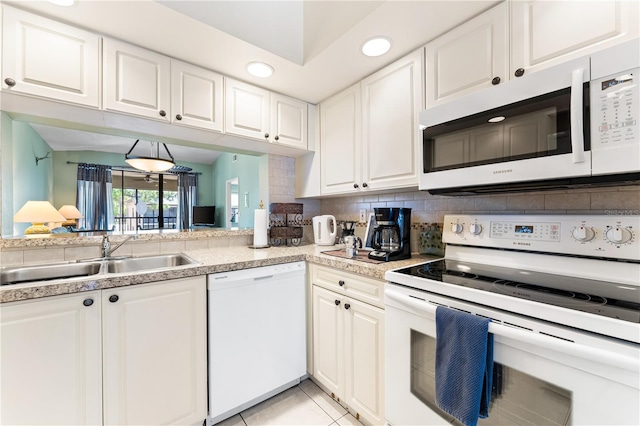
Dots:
pixel 534 139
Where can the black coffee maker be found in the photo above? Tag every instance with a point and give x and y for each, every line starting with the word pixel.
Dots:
pixel 392 236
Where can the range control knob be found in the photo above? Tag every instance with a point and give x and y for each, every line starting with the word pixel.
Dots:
pixel 457 228
pixel 618 235
pixel 475 229
pixel 583 233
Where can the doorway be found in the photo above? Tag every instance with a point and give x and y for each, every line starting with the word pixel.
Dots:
pixel 232 216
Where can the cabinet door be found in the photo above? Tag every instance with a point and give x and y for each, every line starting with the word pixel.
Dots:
pixel 391 101
pixel 136 81
pixel 155 353
pixel 196 96
pixel 246 110
pixel 50 359
pixel 328 355
pixel 469 57
pixel 364 353
pixel 545 33
pixel 50 59
pixel 288 121
pixel 340 142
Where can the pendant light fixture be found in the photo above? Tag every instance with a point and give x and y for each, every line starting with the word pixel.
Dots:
pixel 151 163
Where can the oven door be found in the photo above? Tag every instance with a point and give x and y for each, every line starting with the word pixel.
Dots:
pixel 540 379
pixel 530 129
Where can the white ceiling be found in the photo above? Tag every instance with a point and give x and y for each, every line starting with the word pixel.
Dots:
pixel 60 139
pixel 314 46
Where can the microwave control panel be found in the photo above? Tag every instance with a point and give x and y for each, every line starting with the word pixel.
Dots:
pixel 615 130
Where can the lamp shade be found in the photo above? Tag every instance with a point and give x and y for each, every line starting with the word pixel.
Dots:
pixel 38 212
pixel 70 212
pixel 152 163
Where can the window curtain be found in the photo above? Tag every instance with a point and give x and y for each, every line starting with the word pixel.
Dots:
pixel 94 197
pixel 187 198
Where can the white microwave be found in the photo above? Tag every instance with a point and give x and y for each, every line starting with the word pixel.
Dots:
pixel 575 124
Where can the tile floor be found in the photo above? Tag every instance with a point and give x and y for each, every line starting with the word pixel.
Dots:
pixel 305 404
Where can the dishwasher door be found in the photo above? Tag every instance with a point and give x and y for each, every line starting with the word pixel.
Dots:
pixel 257 336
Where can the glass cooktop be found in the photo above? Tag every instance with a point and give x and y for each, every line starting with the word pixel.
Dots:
pixel 596 297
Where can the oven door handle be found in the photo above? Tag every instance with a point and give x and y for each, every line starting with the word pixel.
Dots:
pixel 530 337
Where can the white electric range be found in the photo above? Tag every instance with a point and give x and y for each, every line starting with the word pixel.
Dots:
pixel 563 294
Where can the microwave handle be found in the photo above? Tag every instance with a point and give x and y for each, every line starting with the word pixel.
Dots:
pixel 529 337
pixel 577 131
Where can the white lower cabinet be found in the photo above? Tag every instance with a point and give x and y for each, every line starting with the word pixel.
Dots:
pixel 132 355
pixel 348 342
pixel 154 366
pixel 51 361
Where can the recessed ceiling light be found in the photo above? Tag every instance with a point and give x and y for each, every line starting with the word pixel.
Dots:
pixel 376 46
pixel 259 69
pixel 496 119
pixel 62 2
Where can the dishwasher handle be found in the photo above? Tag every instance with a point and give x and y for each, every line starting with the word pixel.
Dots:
pixel 265 277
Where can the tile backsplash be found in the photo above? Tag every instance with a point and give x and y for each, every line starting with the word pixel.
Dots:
pixel 428 209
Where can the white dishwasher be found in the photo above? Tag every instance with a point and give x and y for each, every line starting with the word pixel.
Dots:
pixel 257 336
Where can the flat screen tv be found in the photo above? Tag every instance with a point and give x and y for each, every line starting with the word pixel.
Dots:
pixel 204 215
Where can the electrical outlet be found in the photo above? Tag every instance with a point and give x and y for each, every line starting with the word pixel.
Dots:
pixel 363 216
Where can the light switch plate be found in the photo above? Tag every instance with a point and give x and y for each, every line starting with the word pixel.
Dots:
pixel 363 215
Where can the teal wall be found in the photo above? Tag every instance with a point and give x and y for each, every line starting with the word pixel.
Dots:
pixel 6 171
pixel 23 180
pixel 247 170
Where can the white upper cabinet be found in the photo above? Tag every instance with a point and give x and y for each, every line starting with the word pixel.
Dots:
pixel 369 132
pixel 545 33
pixel 470 57
pixel 196 96
pixel 341 142
pixel 260 114
pixel 288 121
pixel 246 110
pixel 51 361
pixel 391 101
pixel 45 58
pixel 136 81
pixel 503 44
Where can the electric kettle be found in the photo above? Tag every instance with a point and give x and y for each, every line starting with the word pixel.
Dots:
pixel 325 230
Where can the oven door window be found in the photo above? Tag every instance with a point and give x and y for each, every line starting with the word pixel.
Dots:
pixel 538 127
pixel 517 398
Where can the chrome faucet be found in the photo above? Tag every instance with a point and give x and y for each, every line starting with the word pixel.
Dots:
pixel 106 245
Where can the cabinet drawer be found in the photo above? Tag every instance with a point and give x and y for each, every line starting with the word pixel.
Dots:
pixel 353 285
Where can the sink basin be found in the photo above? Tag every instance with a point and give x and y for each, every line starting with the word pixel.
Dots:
pixel 146 263
pixel 25 274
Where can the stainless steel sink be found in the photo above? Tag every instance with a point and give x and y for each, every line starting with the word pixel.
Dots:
pixel 26 274
pixel 148 263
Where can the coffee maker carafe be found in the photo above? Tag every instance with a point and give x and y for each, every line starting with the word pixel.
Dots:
pixel 391 237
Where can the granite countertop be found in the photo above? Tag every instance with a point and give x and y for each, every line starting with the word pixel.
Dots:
pixel 211 260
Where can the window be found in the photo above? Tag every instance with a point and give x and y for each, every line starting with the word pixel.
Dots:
pixel 145 201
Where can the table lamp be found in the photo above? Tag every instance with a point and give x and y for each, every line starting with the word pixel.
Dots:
pixel 71 213
pixel 38 212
